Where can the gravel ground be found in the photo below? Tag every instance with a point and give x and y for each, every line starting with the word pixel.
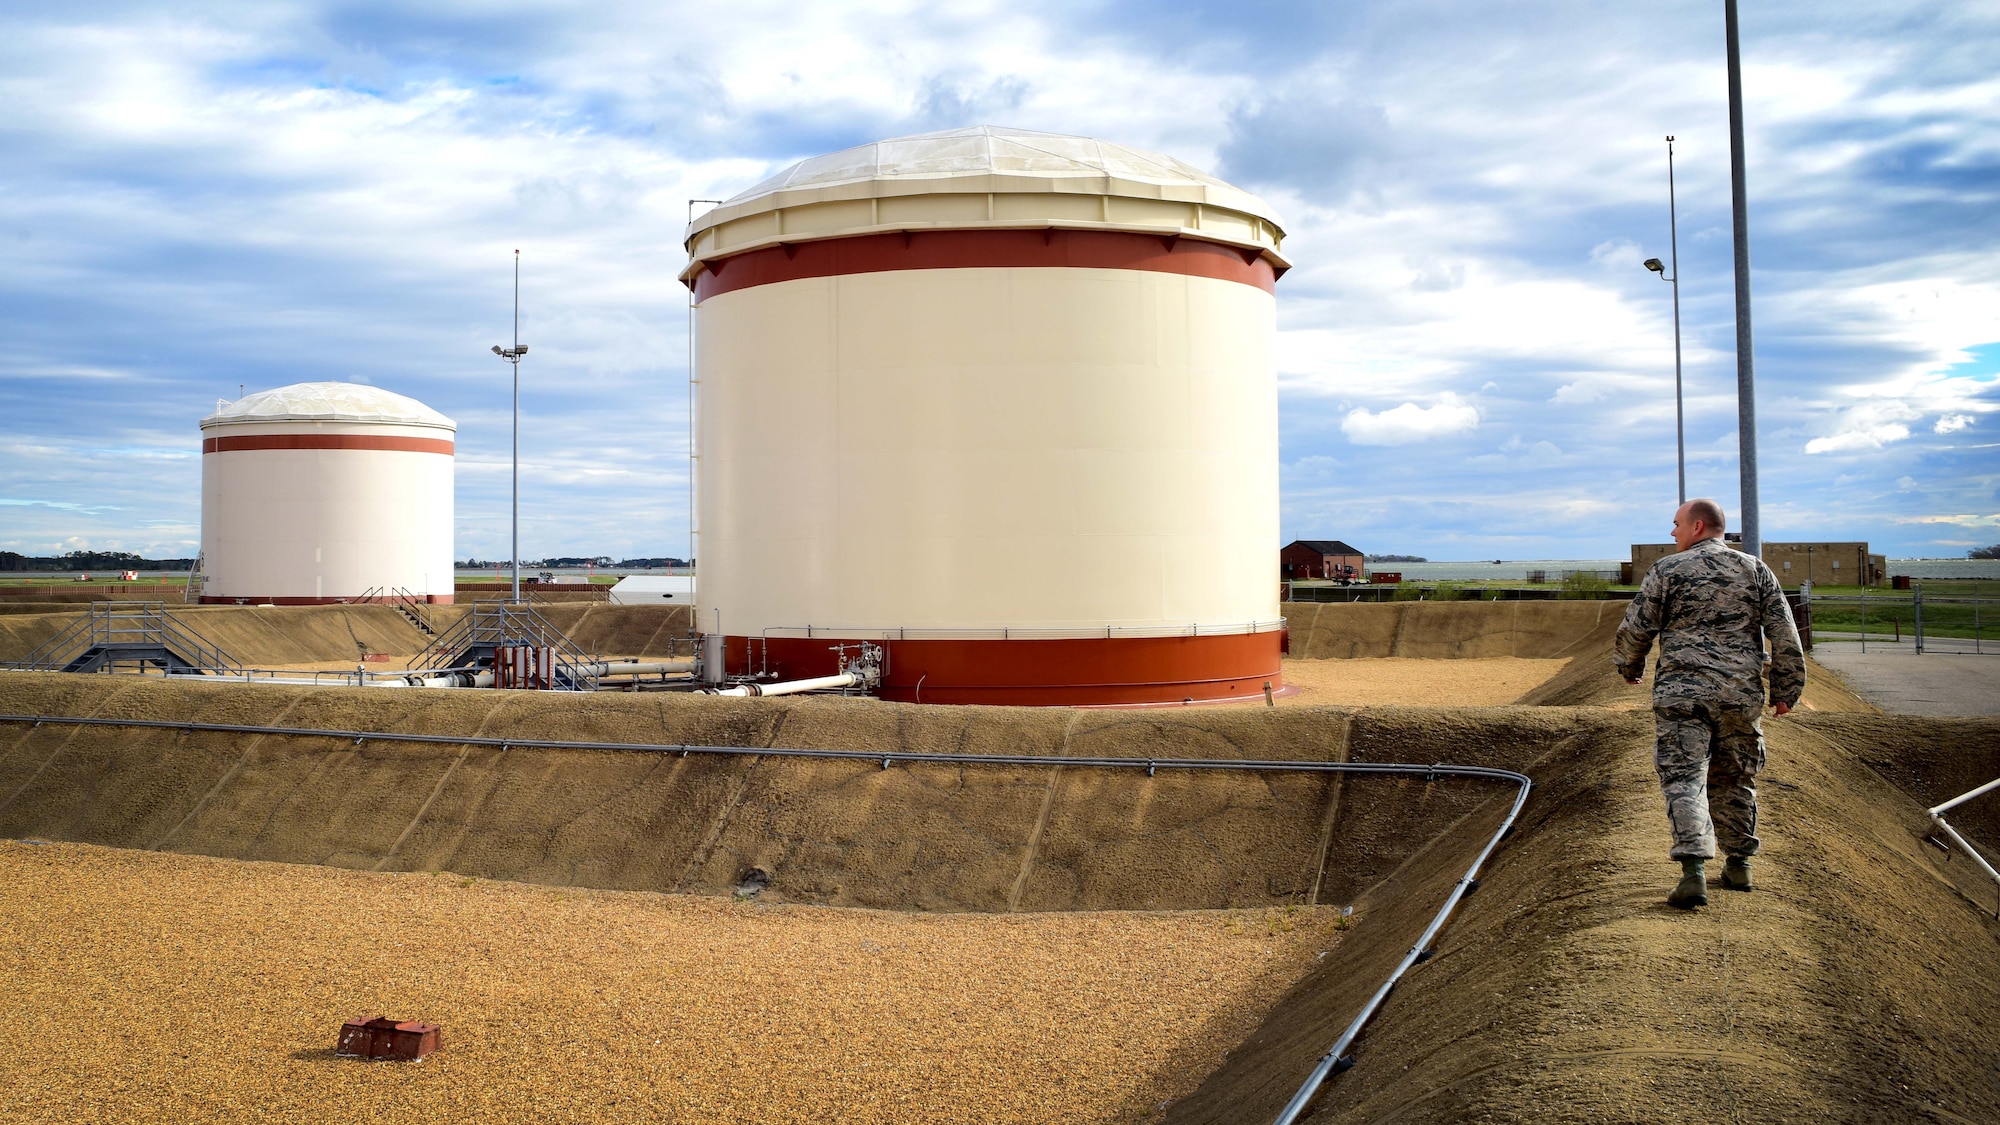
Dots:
pixel 153 987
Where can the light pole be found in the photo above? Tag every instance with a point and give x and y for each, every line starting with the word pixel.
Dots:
pixel 1746 382
pixel 513 356
pixel 1674 248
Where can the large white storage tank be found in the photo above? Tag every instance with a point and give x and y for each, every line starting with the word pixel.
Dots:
pixel 1002 401
pixel 324 492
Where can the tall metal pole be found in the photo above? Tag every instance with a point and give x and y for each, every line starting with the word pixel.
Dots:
pixel 516 598
pixel 1746 386
pixel 1674 239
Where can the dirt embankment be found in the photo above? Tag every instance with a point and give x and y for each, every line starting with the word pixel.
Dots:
pixel 1591 679
pixel 1858 983
pixel 295 636
pixel 850 833
pixel 1445 630
pixel 254 636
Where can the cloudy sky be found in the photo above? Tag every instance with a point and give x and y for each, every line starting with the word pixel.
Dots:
pixel 1472 361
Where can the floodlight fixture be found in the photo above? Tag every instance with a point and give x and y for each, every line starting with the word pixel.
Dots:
pixel 513 357
pixel 1653 264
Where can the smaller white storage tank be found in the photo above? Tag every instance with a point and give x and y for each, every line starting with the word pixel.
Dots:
pixel 325 492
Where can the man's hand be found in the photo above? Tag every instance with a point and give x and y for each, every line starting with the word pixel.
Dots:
pixel 1631 680
pixel 1782 708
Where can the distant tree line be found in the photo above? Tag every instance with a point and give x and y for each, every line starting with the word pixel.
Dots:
pixel 90 560
pixel 1992 552
pixel 1395 558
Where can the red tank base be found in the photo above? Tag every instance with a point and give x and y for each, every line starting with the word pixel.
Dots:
pixel 1074 672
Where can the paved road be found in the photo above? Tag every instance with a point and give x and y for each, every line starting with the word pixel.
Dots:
pixel 1893 677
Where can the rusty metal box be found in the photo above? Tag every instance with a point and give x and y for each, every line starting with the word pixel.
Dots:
pixel 379 1037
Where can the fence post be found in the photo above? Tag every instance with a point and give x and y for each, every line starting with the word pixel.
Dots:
pixel 1917 612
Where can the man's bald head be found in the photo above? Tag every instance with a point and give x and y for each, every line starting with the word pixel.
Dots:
pixel 1708 512
pixel 1695 521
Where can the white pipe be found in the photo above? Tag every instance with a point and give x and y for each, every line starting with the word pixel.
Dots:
pixel 1966 847
pixel 1957 801
pixel 635 667
pixel 792 687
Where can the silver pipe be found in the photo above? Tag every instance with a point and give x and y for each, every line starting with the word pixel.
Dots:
pixel 1964 797
pixel 791 687
pixel 1336 1057
pixel 633 667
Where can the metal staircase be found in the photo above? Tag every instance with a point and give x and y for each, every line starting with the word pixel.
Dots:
pixel 129 636
pixel 413 608
pixel 494 625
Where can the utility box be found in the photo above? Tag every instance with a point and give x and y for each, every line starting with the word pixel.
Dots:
pixel 379 1037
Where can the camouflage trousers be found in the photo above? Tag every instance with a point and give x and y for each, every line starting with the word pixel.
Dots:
pixel 1708 755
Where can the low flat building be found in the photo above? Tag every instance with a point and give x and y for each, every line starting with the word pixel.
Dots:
pixel 1822 563
pixel 1320 558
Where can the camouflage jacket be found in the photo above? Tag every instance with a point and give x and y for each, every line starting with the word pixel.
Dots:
pixel 1713 607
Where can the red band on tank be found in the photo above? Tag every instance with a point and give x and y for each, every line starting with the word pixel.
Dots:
pixel 985 249
pixel 326 441
pixel 1084 671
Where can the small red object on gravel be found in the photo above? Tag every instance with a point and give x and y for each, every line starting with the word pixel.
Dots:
pixel 379 1037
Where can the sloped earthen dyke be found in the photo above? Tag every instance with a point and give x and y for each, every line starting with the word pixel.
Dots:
pixel 917 836
pixel 1856 984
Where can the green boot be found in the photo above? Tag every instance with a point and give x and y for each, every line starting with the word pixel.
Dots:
pixel 1692 890
pixel 1736 873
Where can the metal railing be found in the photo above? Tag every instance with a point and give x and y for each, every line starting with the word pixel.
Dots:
pixel 498 624
pixel 1937 818
pixel 413 608
pixel 1929 619
pixel 111 634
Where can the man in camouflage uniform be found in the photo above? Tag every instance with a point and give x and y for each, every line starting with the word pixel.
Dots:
pixel 1712 608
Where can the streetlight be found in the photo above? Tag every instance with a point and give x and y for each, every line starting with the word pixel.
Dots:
pixel 513 356
pixel 1674 240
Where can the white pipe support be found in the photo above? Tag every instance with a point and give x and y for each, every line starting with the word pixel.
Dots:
pixel 1965 846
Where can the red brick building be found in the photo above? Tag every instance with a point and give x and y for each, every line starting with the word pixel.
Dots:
pixel 1319 558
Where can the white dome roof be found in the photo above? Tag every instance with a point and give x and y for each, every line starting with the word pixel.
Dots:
pixel 989 150
pixel 327 402
pixel 981 159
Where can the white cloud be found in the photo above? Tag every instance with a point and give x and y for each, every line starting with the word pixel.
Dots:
pixel 1408 423
pixel 1952 423
pixel 1856 441
pixel 1580 391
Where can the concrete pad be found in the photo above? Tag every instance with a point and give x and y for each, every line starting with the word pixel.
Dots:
pixel 1893 677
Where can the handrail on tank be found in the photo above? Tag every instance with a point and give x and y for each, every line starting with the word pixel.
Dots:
pixel 1334 1061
